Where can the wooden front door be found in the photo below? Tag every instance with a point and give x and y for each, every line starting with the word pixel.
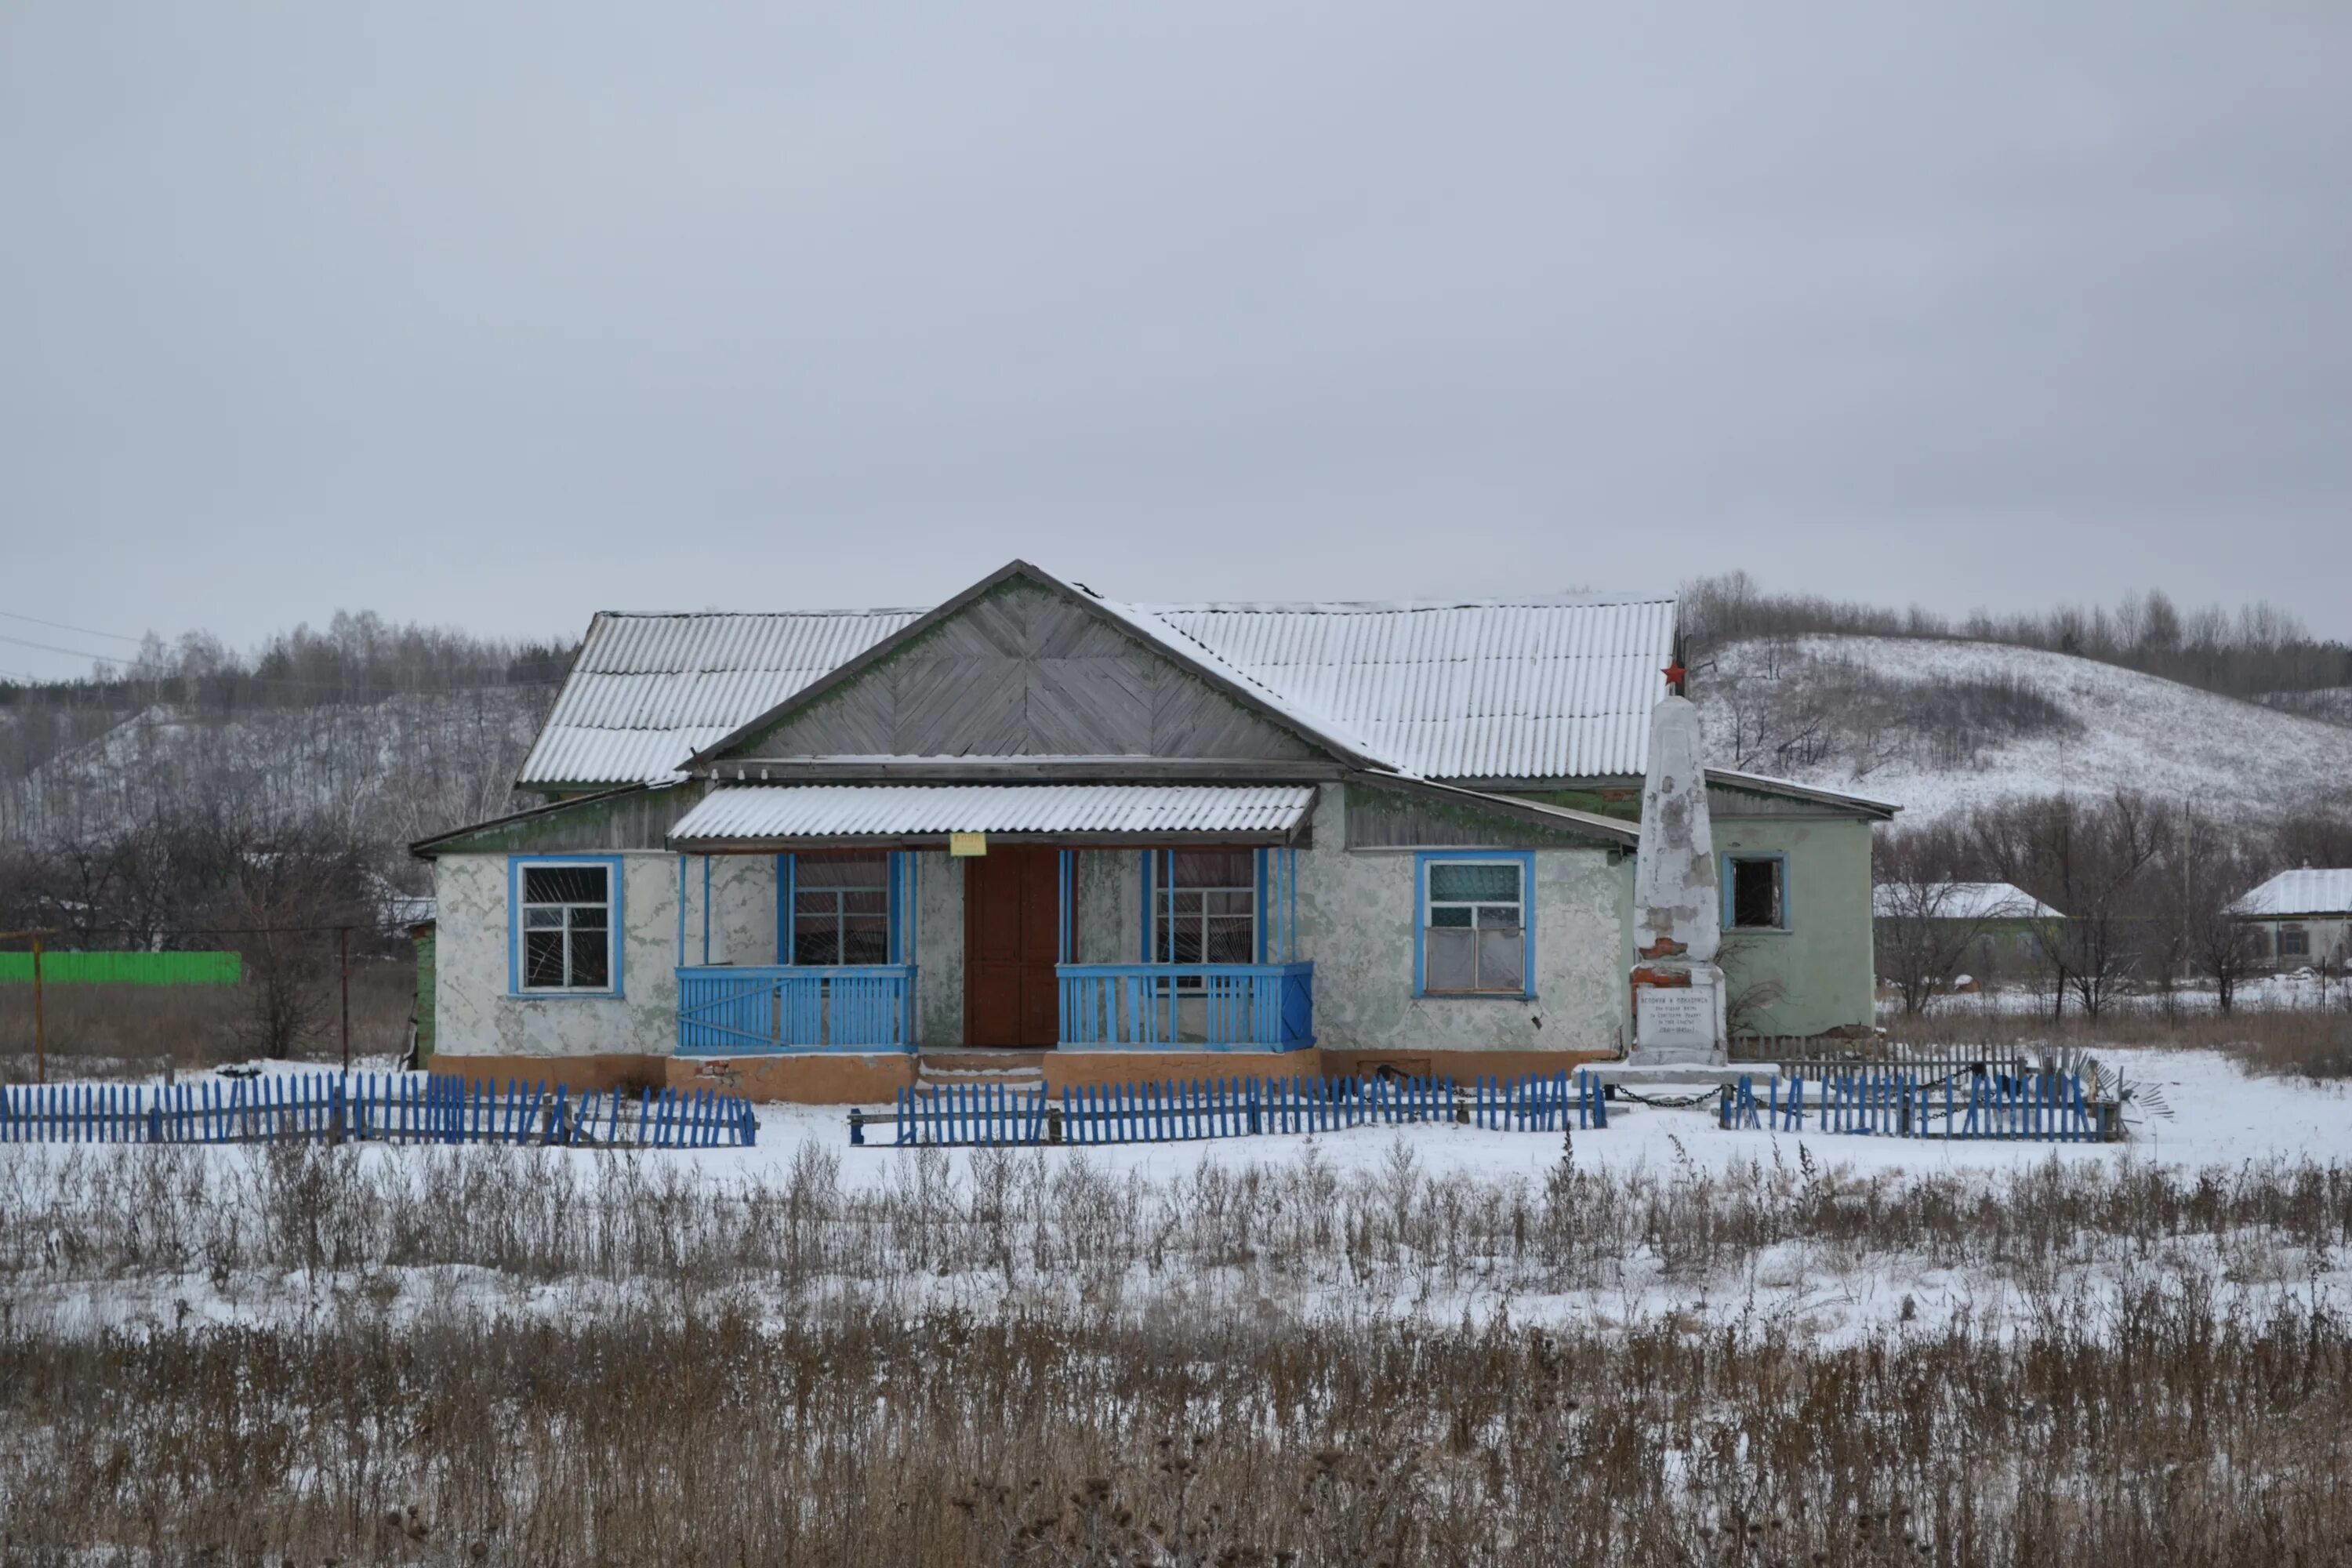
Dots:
pixel 1011 940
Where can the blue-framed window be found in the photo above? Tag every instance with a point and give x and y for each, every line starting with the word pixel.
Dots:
pixel 1755 891
pixel 1202 906
pixel 564 925
pixel 845 907
pixel 1474 920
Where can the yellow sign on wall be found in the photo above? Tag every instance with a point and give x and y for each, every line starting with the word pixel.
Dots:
pixel 967 843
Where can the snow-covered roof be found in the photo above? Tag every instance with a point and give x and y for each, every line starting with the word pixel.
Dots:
pixel 738 813
pixel 647 691
pixel 1535 689
pixel 1531 689
pixel 2327 891
pixel 1961 901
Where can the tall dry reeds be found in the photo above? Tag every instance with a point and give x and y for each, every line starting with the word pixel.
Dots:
pixel 471 1355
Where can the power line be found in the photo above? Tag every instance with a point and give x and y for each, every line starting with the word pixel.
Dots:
pixel 61 626
pixel 52 647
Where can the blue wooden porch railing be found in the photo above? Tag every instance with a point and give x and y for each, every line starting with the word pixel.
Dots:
pixel 736 1009
pixel 1175 1006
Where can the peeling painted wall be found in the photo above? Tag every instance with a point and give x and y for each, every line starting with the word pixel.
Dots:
pixel 1823 965
pixel 1110 906
pixel 474 1015
pixel 938 950
pixel 1356 918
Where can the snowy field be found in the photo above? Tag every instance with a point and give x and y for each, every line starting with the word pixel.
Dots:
pixel 1495 1347
pixel 1664 1215
pixel 2305 990
pixel 2219 1116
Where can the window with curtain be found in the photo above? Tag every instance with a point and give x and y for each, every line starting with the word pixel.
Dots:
pixel 841 909
pixel 567 928
pixel 1205 907
pixel 1475 936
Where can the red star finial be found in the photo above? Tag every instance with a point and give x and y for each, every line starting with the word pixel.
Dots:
pixel 1673 673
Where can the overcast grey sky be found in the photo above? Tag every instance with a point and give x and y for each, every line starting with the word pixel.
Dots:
pixel 495 316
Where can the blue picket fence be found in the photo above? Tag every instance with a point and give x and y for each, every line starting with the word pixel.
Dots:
pixel 391 1108
pixel 1230 1108
pixel 2043 1107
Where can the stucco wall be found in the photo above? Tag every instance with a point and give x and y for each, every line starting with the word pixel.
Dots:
pixel 1821 966
pixel 474 1015
pixel 1356 920
pixel 938 950
pixel 1356 914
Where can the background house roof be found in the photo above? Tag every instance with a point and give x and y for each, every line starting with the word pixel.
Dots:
pixel 2327 891
pixel 1535 689
pixel 1966 901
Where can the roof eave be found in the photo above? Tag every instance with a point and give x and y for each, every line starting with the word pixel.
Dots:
pixel 426 848
pixel 1762 784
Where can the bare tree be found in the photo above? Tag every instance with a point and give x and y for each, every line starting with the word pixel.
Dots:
pixel 2091 859
pixel 1925 928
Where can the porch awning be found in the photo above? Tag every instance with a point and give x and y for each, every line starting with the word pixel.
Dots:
pixel 750 816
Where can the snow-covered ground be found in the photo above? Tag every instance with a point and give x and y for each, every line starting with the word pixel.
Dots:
pixel 1652 1169
pixel 2135 731
pixel 2300 990
pixel 2220 1116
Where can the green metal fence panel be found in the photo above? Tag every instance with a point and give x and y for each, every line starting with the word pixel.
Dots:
pixel 126 968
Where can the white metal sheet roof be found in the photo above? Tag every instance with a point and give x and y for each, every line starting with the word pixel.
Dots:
pixel 740 812
pixel 1965 902
pixel 1541 688
pixel 2308 891
pixel 1558 688
pixel 647 691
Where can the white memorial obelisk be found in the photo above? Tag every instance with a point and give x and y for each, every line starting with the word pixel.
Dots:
pixel 1678 997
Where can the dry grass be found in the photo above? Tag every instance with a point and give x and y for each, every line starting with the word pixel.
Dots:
pixel 2304 1042
pixel 500 1355
pixel 118 1031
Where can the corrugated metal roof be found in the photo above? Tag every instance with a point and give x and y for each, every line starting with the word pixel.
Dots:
pixel 742 812
pixel 1543 688
pixel 1964 901
pixel 2325 892
pixel 647 691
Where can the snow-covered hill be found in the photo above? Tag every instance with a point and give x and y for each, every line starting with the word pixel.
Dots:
pixel 1939 726
pixel 395 769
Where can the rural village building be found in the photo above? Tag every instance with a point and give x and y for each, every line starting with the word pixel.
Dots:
pixel 2005 931
pixel 1142 841
pixel 2302 918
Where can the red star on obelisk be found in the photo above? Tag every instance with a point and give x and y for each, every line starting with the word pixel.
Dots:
pixel 1673 673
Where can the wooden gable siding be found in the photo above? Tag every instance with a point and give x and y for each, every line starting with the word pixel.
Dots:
pixel 619 819
pixel 1731 802
pixel 1393 819
pixel 1024 672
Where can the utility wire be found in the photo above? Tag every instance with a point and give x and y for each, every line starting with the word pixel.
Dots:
pixel 63 627
pixel 52 647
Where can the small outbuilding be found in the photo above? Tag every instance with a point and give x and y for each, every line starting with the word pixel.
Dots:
pixel 1986 929
pixel 2302 918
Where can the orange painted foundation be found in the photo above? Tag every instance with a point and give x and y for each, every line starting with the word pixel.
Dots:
pixel 1099 1070
pixel 811 1079
pixel 843 1079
